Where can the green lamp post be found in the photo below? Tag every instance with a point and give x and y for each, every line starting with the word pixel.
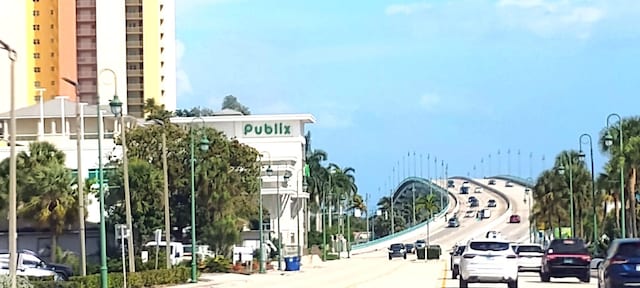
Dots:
pixel 582 156
pixel 204 146
pixel 269 172
pixel 608 141
pixel 561 171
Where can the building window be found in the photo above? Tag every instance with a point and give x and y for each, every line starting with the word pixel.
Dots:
pixel 52 40
pixel 36 12
pixel 36 27
pixel 51 12
pixel 36 55
pixel 51 26
pixel 36 83
pixel 36 41
pixel 36 0
pixel 53 54
pixel 53 68
pixel 36 69
pixel 53 83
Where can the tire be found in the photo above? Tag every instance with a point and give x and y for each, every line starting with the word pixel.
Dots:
pixel 463 283
pixel 513 284
pixel 585 279
pixel 60 277
pixel 544 277
pixel 390 258
pixel 405 257
pixel 454 273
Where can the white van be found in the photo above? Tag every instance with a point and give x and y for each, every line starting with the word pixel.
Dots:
pixel 177 250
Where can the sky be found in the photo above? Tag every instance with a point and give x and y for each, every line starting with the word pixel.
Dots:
pixel 457 80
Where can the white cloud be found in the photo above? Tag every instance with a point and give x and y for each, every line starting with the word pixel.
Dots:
pixel 429 101
pixel 331 115
pixel 183 85
pixel 406 9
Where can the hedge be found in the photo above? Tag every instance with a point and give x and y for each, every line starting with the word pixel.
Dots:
pixel 141 279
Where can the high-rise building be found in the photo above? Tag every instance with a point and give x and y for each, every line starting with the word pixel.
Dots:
pixel 81 39
pixel 17 31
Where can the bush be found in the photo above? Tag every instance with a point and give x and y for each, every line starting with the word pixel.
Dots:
pixel 141 279
pixel 216 264
pixel 21 282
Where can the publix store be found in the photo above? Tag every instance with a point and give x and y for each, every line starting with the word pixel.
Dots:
pixel 280 139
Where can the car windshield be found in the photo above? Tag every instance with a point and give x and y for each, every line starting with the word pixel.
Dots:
pixel 489 246
pixel 491 201
pixel 568 246
pixel 529 248
pixel 631 249
pixel 460 250
pixel 397 246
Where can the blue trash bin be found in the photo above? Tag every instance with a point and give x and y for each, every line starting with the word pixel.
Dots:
pixel 292 263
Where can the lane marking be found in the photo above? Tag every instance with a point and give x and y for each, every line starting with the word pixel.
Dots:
pixel 444 275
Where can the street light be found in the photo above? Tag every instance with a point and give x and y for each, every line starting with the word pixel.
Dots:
pixel 13 221
pixel 80 181
pixel 527 194
pixel 324 220
pixel 116 108
pixel 286 177
pixel 561 171
pixel 269 172
pixel 305 186
pixel 608 141
pixel 204 146
pixel 165 173
pixel 582 156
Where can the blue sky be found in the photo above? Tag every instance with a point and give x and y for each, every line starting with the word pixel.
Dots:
pixel 456 79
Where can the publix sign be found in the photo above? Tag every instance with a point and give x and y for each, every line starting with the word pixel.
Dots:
pixel 266 129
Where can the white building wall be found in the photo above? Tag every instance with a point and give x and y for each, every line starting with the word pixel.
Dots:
pixel 13 31
pixel 168 55
pixel 111 47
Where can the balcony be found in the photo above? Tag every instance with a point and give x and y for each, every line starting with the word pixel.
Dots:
pixel 134 58
pixel 133 16
pixel 86 17
pixel 134 30
pixel 86 74
pixel 134 43
pixel 86 4
pixel 135 100
pixel 86 32
pixel 134 73
pixel 87 60
pixel 133 2
pixel 135 86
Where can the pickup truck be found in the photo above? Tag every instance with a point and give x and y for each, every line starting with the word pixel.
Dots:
pixel 30 264
pixel 566 258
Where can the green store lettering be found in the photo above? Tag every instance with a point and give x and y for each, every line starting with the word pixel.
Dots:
pixel 268 129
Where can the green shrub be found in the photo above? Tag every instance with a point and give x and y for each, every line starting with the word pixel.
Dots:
pixel 141 279
pixel 216 264
pixel 332 257
pixel 21 282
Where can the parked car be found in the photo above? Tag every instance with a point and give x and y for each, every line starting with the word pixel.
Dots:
pixel 488 261
pixel 566 258
pixel 515 218
pixel 397 250
pixel 529 257
pixel 30 264
pixel 621 266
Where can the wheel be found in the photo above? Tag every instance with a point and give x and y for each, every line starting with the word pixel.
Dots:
pixel 60 277
pixel 405 256
pixel 585 279
pixel 454 273
pixel 390 257
pixel 544 277
pixel 513 284
pixel 463 283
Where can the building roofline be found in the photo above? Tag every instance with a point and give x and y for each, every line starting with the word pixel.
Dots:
pixel 305 118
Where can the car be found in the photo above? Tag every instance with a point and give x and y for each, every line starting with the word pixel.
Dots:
pixel 475 203
pixel 477 190
pixel 492 182
pixel 493 235
pixel 488 261
pixel 464 190
pixel 529 257
pixel 466 184
pixel 469 214
pixel 411 249
pixel 471 199
pixel 451 184
pixel 492 203
pixel 31 265
pixel 397 250
pixel 455 260
pixel 421 244
pixel 565 258
pixel 453 222
pixel 508 184
pixel 620 266
pixel 514 218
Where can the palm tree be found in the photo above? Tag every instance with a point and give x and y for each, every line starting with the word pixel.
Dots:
pixel 343 185
pixel 46 191
pixel 426 205
pixel 317 183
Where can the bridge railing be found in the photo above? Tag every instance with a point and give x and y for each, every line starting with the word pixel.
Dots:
pixel 515 179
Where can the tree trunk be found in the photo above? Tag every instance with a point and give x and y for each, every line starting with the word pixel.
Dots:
pixel 54 247
pixel 632 201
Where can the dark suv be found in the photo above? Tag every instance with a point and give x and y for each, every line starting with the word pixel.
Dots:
pixel 397 250
pixel 566 258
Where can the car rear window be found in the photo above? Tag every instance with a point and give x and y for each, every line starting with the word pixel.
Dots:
pixel 397 246
pixel 568 246
pixel 629 249
pixel 489 246
pixel 529 248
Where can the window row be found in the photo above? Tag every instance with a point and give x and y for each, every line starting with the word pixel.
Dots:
pixel 37 69
pixel 36 55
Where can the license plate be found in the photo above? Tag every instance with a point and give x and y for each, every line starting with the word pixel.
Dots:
pixel 568 261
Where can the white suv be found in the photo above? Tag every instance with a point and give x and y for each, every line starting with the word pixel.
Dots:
pixel 529 257
pixel 489 261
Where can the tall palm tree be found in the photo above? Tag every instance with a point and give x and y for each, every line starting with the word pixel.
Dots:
pixel 426 205
pixel 317 183
pixel 343 185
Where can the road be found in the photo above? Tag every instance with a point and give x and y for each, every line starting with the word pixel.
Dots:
pixel 373 270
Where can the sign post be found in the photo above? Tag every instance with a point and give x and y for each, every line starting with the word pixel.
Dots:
pixel 122 233
pixel 158 237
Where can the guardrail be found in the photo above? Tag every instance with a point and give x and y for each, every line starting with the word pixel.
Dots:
pixel 404 232
pixel 515 179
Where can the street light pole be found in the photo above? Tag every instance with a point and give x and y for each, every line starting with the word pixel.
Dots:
pixel 116 109
pixel 561 170
pixel 204 146
pixel 582 155
pixel 413 193
pixel 79 175
pixel 13 222
pixel 278 219
pixel 528 194
pixel 261 217
pixel 608 141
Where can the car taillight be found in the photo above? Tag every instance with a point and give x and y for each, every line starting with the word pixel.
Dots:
pixel 550 257
pixel 511 256
pixel 585 258
pixel 468 256
pixel 618 260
